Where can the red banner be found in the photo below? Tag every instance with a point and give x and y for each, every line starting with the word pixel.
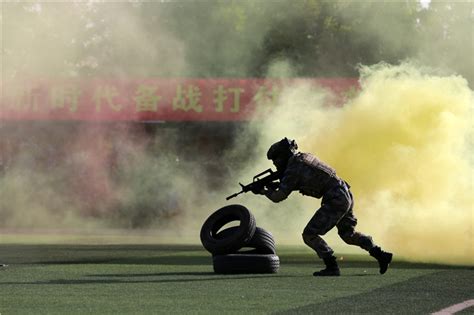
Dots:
pixel 152 99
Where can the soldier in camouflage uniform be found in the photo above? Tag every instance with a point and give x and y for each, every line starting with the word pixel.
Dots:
pixel 312 177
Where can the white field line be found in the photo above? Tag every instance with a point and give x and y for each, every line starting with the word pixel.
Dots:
pixel 455 308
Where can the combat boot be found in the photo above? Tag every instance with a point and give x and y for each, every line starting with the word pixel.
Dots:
pixel 384 258
pixel 332 269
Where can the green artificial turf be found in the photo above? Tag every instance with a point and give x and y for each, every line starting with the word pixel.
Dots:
pixel 178 279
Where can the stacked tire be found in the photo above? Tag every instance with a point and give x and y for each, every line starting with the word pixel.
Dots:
pixel 245 248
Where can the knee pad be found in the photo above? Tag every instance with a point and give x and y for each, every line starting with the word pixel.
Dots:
pixel 307 238
pixel 316 230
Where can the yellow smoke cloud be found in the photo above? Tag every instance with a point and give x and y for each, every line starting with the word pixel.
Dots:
pixel 403 145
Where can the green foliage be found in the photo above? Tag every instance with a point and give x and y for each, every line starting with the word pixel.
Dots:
pixel 218 38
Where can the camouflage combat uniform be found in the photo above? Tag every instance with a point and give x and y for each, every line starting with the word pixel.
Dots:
pixel 312 177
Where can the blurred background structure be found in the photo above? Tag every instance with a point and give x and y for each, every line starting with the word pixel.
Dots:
pixel 76 158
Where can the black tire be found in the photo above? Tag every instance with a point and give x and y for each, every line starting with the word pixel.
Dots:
pixel 240 263
pixel 234 241
pixel 262 241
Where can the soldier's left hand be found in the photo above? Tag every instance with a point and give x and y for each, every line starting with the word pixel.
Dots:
pixel 257 191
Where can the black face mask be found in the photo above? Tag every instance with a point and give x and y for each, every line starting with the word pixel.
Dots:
pixel 280 163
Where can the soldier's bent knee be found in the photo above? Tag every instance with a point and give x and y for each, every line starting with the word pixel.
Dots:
pixel 306 237
pixel 346 234
pixel 309 238
pixel 314 229
pixel 350 237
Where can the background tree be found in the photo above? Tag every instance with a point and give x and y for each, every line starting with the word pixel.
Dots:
pixel 232 38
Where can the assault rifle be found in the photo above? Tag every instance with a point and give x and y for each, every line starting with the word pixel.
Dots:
pixel 259 182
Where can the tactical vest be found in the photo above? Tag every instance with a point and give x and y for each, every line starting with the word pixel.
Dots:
pixel 314 176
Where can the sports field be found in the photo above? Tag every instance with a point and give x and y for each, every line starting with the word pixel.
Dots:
pixel 179 279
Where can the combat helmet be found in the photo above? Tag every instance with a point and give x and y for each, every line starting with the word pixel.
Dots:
pixel 281 151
